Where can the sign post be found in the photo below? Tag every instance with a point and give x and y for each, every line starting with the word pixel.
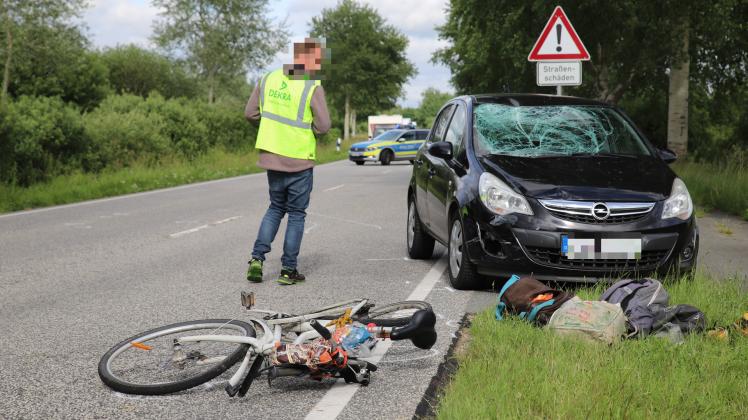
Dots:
pixel 559 53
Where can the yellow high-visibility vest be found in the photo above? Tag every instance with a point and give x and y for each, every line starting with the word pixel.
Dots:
pixel 286 116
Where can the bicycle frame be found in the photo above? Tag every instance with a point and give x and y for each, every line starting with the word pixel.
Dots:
pixel 273 330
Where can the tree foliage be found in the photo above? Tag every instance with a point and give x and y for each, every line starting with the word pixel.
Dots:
pixel 219 39
pixel 370 67
pixel 139 71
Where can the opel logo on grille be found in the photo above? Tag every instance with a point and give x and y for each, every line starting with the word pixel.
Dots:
pixel 600 211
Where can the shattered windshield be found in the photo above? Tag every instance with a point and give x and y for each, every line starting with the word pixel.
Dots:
pixel 563 130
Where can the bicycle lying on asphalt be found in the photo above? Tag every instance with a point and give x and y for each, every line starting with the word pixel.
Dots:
pixel 180 356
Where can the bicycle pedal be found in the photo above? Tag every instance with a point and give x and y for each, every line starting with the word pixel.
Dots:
pixel 248 299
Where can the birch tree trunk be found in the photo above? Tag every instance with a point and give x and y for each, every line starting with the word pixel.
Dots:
pixel 9 54
pixel 677 123
pixel 347 118
pixel 353 122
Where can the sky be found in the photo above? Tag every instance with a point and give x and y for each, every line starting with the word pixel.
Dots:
pixel 112 22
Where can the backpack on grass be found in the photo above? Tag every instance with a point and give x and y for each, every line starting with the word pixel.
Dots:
pixel 530 299
pixel 591 320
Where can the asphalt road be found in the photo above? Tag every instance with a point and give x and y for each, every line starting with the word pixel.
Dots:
pixel 77 279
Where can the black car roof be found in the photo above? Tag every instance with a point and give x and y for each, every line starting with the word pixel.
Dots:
pixel 532 99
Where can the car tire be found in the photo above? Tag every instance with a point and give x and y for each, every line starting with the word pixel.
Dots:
pixel 463 274
pixel 386 157
pixel 420 244
pixel 360 163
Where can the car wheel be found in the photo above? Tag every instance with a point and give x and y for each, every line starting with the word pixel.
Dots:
pixel 420 244
pixel 385 157
pixel 360 163
pixel 463 274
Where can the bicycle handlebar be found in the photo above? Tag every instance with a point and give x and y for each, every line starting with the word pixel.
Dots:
pixel 324 332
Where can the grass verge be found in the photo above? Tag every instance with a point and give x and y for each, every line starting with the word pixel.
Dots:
pixel 76 187
pixel 514 370
pixel 718 186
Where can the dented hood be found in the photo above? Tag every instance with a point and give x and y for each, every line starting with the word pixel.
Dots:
pixel 601 177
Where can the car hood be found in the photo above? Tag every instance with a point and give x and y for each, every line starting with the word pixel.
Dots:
pixel 604 178
pixel 364 143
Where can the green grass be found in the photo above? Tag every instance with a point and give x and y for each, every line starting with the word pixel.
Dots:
pixel 87 186
pixel 718 186
pixel 514 370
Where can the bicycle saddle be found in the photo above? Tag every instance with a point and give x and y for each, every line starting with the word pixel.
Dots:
pixel 420 330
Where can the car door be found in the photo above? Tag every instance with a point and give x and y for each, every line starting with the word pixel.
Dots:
pixel 406 145
pixel 424 166
pixel 443 174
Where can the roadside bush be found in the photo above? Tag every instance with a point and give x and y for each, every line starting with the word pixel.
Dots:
pixel 121 138
pixel 227 127
pixel 42 137
pixel 331 136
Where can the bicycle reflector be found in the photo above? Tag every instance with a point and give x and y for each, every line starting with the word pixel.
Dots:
pixel 141 346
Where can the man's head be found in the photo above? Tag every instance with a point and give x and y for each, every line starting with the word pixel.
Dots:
pixel 308 56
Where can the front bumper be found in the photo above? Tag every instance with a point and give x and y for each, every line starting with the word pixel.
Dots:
pixel 517 244
pixel 365 157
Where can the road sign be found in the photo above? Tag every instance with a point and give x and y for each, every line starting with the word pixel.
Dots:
pixel 558 41
pixel 559 73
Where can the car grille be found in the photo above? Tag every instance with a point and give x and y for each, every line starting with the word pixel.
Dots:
pixel 608 213
pixel 611 220
pixel 552 256
pixel 358 149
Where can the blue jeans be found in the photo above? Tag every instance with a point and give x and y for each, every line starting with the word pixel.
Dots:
pixel 289 194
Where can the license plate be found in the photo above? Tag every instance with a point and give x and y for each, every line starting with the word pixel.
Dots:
pixel 601 248
pixel 357 154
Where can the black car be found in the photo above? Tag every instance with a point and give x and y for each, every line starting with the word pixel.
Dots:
pixel 565 188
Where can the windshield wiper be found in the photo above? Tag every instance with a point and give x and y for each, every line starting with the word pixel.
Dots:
pixel 604 154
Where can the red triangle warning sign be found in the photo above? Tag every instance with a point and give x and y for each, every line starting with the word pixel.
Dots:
pixel 558 41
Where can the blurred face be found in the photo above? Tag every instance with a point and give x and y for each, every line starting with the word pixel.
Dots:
pixel 308 54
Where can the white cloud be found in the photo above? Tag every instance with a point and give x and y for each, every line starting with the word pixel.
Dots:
pixel 113 22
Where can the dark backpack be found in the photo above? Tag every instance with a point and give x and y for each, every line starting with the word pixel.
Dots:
pixel 645 304
pixel 517 294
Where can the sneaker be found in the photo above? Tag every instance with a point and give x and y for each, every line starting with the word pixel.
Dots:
pixel 254 273
pixel 290 276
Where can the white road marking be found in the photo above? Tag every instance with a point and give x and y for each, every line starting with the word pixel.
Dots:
pixel 338 396
pixel 199 228
pixel 334 188
pixel 345 220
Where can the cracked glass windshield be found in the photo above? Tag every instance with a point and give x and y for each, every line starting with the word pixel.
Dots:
pixel 542 131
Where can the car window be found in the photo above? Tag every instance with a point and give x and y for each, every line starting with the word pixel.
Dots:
pixel 409 135
pixel 422 134
pixel 456 130
pixel 559 130
pixel 440 125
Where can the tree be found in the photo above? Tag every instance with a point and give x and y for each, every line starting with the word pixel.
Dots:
pixel 369 69
pixel 21 14
pixel 219 39
pixel 431 101
pixel 138 71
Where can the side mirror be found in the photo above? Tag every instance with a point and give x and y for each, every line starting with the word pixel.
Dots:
pixel 667 155
pixel 441 149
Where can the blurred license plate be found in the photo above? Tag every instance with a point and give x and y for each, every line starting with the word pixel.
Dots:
pixel 357 153
pixel 601 248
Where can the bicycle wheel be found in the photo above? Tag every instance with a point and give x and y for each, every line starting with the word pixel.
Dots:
pixel 149 363
pixel 394 314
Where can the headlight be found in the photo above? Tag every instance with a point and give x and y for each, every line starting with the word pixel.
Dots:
pixel 499 198
pixel 371 149
pixel 679 203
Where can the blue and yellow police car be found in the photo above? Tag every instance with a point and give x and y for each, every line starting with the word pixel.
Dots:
pixel 389 146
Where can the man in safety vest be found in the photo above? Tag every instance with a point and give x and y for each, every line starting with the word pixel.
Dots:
pixel 290 106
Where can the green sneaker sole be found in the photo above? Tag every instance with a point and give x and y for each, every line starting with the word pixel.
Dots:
pixel 255 274
pixel 287 281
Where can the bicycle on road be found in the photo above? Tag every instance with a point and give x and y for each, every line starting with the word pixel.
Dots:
pixel 330 342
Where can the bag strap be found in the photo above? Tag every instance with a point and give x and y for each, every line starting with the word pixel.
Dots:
pixel 537 309
pixel 501 305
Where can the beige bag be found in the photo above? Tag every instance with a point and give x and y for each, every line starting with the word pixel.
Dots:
pixel 591 320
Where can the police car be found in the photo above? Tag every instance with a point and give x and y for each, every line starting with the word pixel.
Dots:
pixel 388 146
